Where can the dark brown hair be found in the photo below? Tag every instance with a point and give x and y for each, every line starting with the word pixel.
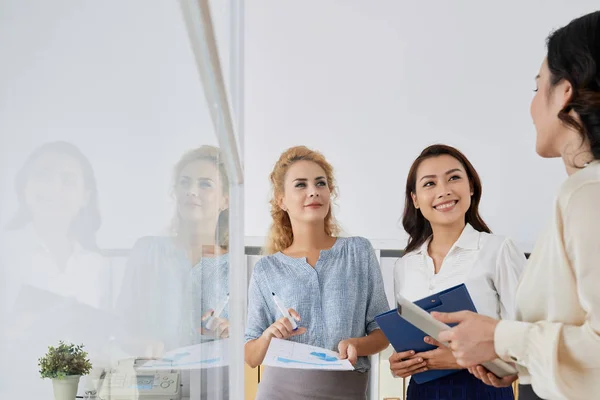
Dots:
pixel 574 56
pixel 417 227
pixel 84 226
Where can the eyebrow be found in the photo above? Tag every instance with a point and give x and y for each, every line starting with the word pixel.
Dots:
pixel 537 77
pixel 199 179
pixel 304 179
pixel 450 171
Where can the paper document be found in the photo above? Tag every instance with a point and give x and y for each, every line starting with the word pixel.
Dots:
pixel 200 356
pixel 287 354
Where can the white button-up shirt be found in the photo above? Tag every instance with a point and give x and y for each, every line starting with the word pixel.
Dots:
pixel 25 259
pixel 489 265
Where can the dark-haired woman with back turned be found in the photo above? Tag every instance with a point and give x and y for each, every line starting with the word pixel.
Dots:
pixel 449 244
pixel 555 340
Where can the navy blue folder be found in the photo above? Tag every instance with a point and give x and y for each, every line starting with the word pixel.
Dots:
pixel 404 336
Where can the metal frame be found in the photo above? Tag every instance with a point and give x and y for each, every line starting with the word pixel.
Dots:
pixel 202 37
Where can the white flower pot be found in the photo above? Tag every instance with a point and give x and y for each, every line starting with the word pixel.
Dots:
pixel 66 388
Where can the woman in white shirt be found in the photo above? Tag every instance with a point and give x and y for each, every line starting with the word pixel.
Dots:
pixel 555 339
pixel 450 244
pixel 50 243
pixel 52 272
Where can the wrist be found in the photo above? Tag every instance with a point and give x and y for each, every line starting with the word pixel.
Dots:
pixel 456 366
pixel 266 337
pixel 494 324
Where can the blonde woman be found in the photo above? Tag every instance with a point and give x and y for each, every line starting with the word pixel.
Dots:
pixel 173 281
pixel 332 284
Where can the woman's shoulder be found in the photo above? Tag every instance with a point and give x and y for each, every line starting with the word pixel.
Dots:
pixel 496 242
pixel 581 190
pixel 407 260
pixel 499 250
pixel 358 243
pixel 154 241
pixel 153 244
pixel 265 262
pixel 153 252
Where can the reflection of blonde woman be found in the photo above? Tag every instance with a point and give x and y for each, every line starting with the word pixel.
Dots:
pixel 332 284
pixel 156 294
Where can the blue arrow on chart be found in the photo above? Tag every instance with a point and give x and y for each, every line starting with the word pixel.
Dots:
pixel 323 356
pixel 175 357
pixel 289 361
pixel 171 364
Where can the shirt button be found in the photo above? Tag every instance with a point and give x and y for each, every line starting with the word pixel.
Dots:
pixel 431 287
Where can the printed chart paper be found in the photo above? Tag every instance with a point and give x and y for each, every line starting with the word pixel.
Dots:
pixel 205 355
pixel 287 354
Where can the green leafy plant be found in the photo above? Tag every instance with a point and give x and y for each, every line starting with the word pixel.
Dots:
pixel 63 360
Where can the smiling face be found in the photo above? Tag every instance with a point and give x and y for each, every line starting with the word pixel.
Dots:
pixel 306 196
pixel 55 189
pixel 443 191
pixel 199 192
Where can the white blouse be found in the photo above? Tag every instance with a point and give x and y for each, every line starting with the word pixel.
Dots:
pixel 555 339
pixel 26 260
pixel 489 265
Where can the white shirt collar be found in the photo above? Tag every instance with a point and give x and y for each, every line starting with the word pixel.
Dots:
pixel 27 238
pixel 468 240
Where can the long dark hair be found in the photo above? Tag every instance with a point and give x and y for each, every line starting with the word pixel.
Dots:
pixel 574 55
pixel 417 227
pixel 87 222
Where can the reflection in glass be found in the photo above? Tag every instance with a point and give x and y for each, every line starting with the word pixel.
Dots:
pixel 54 276
pixel 54 230
pixel 175 283
pixel 100 90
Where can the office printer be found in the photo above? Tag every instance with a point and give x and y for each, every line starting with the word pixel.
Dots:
pixel 125 382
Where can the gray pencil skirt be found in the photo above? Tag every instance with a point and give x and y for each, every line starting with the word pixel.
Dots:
pixel 300 384
pixel 526 393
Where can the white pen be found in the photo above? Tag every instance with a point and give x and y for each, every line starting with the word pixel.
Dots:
pixel 213 318
pixel 284 311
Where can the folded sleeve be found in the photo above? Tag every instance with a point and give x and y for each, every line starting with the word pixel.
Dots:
pixel 509 267
pixel 258 315
pixel 377 301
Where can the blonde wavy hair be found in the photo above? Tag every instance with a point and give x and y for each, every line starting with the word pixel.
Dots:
pixel 281 235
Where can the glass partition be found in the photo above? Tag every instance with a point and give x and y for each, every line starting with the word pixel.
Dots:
pixel 121 197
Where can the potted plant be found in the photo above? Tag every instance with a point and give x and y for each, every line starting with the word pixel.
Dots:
pixel 65 365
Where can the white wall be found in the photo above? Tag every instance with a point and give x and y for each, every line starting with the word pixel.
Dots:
pixel 371 84
pixel 117 79
pixel 368 83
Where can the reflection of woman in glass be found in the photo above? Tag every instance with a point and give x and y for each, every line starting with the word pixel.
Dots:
pixel 51 242
pixel 50 254
pixel 171 281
